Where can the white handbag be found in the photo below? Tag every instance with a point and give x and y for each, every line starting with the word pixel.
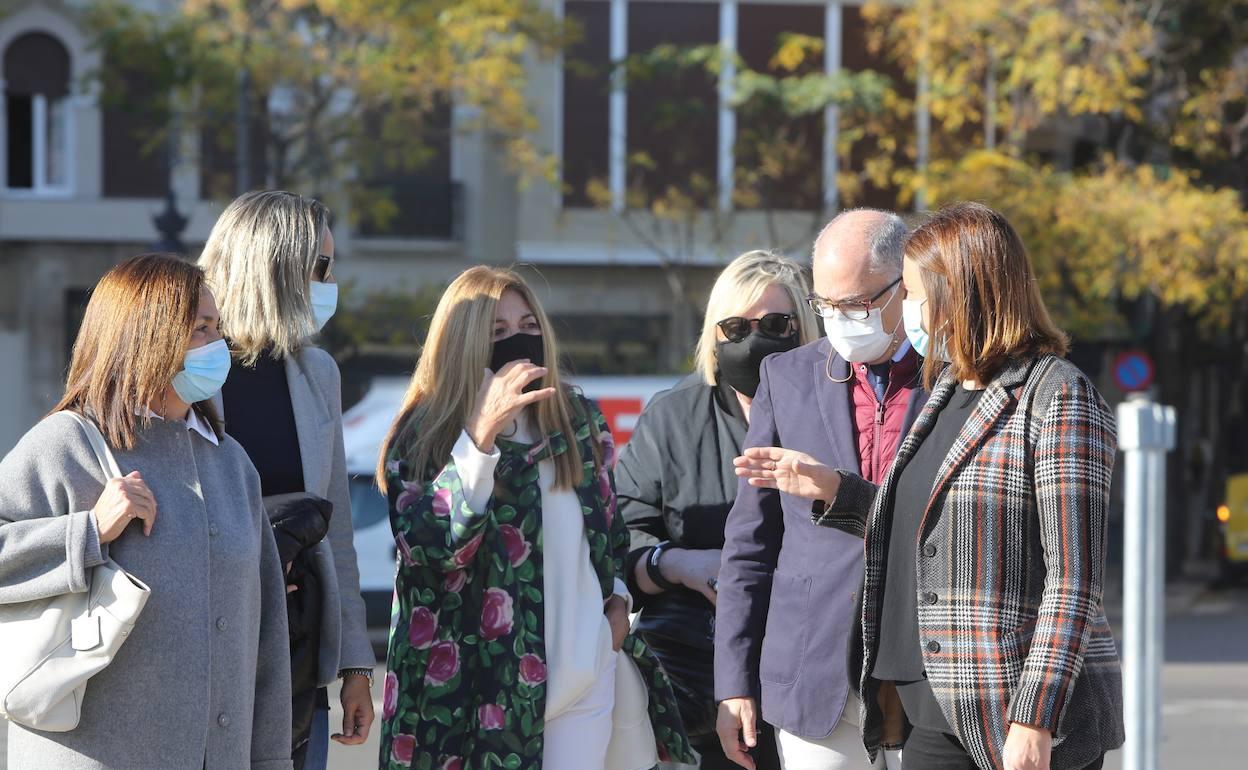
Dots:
pixel 53 646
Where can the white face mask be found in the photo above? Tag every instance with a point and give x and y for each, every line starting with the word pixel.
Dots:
pixel 324 298
pixel 860 342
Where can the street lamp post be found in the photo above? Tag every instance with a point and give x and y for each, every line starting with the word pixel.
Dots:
pixel 170 222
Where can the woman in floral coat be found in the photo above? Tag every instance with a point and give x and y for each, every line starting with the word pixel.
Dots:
pixel 510 645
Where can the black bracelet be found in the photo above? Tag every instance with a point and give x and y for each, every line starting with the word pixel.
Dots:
pixel 653 571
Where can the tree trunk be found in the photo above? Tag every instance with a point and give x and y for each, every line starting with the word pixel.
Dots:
pixel 679 343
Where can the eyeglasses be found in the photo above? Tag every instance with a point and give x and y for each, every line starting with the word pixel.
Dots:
pixel 322 268
pixel 775 325
pixel 854 311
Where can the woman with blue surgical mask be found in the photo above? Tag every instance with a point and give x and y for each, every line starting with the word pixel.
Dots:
pixel 270 259
pixel 200 680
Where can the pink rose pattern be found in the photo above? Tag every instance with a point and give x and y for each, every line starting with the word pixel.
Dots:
pixel 463 557
pixel 422 628
pixel 443 663
pixel 468 611
pixel 454 581
pixel 497 610
pixel 402 749
pixel 532 670
pixel 390 696
pixel 491 716
pixel 518 549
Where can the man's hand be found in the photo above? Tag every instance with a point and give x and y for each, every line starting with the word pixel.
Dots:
pixel 736 728
pixel 795 473
pixel 1027 748
pixel 357 710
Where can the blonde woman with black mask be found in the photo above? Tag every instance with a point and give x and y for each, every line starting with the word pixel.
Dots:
pixel 510 645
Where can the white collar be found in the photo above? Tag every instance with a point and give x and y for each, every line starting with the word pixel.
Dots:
pixel 193 422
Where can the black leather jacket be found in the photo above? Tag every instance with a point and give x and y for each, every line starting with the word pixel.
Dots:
pixel 675 482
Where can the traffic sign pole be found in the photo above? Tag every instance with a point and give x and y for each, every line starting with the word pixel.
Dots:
pixel 1146 432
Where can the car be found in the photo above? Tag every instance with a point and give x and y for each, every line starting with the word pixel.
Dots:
pixel 1233 528
pixel 364 427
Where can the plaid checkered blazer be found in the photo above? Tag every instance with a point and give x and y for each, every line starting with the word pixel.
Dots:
pixel 1010 557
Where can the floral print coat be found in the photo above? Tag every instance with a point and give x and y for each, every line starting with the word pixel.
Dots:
pixel 466 671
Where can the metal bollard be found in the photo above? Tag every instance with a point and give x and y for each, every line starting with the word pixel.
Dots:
pixel 1146 432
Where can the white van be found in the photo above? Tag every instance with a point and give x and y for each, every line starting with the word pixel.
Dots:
pixel 364 427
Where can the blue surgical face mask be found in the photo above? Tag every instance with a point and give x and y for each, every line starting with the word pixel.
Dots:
pixel 912 318
pixel 324 302
pixel 203 372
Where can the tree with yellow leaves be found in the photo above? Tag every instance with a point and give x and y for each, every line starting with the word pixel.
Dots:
pixel 339 91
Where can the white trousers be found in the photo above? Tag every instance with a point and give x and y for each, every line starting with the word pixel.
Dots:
pixel 842 750
pixel 577 739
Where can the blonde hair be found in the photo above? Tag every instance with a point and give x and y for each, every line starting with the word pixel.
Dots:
pixel 259 260
pixel 451 369
pixel 740 285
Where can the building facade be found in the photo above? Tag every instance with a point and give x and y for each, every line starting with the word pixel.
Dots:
pixel 79 188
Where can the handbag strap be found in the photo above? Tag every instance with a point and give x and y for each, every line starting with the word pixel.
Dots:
pixel 103 454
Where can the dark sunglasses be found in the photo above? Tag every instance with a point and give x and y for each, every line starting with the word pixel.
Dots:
pixel 775 325
pixel 322 268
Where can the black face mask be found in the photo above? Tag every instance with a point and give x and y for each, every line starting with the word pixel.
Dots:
pixel 739 361
pixel 517 346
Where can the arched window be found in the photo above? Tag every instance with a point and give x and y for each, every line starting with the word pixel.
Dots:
pixel 37 116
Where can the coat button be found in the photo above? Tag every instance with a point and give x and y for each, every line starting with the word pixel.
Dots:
pixel 212 531
pixel 929 551
pixel 221 624
pixel 223 720
pixel 933 646
pixel 929 597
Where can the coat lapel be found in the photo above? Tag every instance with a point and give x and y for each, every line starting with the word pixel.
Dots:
pixel 997 397
pixel 314 425
pixel 836 407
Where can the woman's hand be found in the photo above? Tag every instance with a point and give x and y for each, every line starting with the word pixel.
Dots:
pixel 697 569
pixel 1027 748
pixel 123 501
pixel 500 399
pixel 357 710
pixel 792 472
pixel 616 610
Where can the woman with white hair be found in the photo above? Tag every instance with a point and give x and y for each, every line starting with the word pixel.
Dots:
pixel 270 261
pixel 676 481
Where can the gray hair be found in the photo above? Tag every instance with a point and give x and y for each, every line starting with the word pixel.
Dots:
pixel 886 239
pixel 258 262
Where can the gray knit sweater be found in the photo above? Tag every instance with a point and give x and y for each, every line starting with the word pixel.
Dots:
pixel 204 680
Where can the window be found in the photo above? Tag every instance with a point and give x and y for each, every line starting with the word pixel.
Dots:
pixel 855 57
pixel 37 115
pixel 673 118
pixel 765 137
pixel 426 202
pixel 136 154
pixel 586 100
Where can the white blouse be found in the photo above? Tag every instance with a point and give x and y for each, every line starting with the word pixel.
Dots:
pixel 573 596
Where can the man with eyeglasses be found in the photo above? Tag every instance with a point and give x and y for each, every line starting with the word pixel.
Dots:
pixel 786 612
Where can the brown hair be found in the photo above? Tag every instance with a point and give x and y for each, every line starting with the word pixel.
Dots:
pixel 443 389
pixel 984 303
pixel 132 342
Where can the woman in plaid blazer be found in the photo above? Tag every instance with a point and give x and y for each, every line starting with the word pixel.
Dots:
pixel 985 545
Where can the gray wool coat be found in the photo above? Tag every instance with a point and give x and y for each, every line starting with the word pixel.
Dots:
pixel 316 396
pixel 204 679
